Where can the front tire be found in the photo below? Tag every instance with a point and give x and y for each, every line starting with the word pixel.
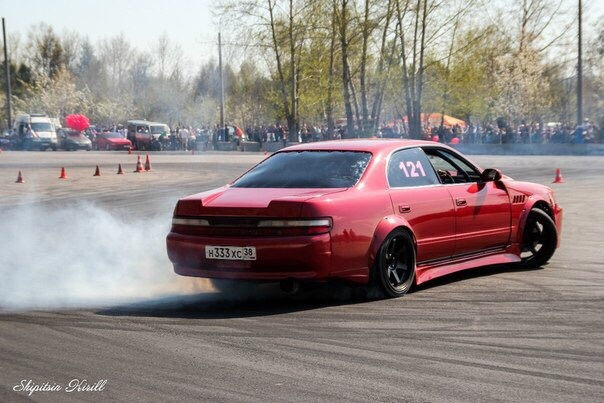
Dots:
pixel 393 273
pixel 539 240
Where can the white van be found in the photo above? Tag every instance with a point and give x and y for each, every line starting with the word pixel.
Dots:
pixel 44 133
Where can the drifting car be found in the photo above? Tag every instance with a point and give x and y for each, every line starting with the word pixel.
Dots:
pixel 112 141
pixel 385 213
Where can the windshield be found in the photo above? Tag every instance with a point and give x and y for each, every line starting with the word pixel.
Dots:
pixel 42 127
pixel 307 169
pixel 159 129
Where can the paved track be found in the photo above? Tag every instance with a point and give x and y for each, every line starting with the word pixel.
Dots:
pixel 492 334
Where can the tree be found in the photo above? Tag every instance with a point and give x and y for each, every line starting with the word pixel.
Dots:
pixel 280 28
pixel 117 55
pixel 56 97
pixel 45 50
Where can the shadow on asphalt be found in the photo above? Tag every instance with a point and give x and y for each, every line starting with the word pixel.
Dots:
pixel 267 299
pixel 471 274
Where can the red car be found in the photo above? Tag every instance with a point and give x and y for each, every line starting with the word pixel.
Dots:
pixel 386 213
pixel 112 141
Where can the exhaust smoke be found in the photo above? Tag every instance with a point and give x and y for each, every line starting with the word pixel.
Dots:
pixel 80 255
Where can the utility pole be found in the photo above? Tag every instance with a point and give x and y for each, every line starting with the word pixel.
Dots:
pixel 580 74
pixel 221 85
pixel 7 77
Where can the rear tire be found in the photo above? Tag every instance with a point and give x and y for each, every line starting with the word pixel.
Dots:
pixel 539 240
pixel 393 273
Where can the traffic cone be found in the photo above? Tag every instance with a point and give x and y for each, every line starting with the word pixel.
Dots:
pixel 558 178
pixel 119 170
pixel 19 178
pixel 63 174
pixel 139 165
pixel 147 164
pixel 129 150
pixel 97 172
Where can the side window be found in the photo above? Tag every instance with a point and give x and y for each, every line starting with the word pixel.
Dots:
pixel 410 167
pixel 450 168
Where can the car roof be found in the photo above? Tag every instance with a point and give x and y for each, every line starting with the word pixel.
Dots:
pixel 367 145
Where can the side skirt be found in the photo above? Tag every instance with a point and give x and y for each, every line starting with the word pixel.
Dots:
pixel 432 270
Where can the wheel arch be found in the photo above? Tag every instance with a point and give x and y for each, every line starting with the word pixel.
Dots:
pixel 384 228
pixel 539 203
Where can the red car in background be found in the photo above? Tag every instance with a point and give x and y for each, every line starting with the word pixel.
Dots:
pixel 386 213
pixel 112 141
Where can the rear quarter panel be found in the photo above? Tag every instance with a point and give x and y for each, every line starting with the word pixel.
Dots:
pixel 356 215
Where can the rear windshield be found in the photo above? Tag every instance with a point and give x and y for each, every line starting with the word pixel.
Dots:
pixel 307 169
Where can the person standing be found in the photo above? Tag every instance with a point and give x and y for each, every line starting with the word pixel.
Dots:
pixel 184 137
pixel 29 138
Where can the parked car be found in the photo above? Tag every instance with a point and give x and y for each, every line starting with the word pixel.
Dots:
pixel 43 132
pixel 72 140
pixel 384 213
pixel 112 141
pixel 146 135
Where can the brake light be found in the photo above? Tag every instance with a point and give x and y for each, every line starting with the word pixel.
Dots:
pixel 298 227
pixel 194 222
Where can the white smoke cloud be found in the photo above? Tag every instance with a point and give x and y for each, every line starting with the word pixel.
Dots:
pixel 80 255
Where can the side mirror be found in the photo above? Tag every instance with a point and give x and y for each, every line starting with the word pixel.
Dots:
pixel 491 175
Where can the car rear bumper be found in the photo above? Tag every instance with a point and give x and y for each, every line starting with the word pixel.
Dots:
pixel 277 258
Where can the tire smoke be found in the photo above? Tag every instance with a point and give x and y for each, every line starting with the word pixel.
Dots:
pixel 80 255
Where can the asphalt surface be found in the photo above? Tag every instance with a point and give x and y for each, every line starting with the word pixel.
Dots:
pixel 490 334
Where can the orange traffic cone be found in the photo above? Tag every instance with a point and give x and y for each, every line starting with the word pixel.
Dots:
pixel 119 170
pixel 63 174
pixel 558 178
pixel 19 178
pixel 129 150
pixel 147 164
pixel 97 172
pixel 139 165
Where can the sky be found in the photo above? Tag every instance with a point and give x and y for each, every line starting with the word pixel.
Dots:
pixel 187 22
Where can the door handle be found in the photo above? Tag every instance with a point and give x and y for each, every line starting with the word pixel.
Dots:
pixel 404 208
pixel 461 202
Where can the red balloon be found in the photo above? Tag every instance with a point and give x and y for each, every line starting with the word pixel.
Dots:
pixel 77 122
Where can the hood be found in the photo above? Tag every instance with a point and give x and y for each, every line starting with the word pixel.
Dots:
pixel 528 188
pixel 79 140
pixel 117 141
pixel 46 135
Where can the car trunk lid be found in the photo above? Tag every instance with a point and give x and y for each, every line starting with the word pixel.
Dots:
pixel 248 202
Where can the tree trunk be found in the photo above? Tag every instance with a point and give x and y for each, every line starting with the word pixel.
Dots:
pixel 346 71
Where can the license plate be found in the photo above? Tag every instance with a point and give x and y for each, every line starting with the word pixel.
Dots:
pixel 231 252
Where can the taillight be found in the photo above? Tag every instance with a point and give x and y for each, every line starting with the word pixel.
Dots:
pixel 194 222
pixel 246 227
pixel 298 227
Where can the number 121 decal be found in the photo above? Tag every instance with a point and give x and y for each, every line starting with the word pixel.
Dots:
pixel 412 169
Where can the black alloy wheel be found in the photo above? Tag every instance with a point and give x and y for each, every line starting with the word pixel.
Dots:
pixel 394 271
pixel 539 239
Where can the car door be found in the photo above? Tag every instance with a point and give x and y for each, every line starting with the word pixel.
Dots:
pixel 482 209
pixel 419 198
